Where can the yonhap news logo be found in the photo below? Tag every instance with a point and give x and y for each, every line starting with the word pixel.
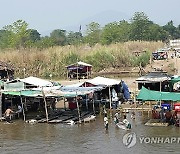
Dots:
pixel 130 139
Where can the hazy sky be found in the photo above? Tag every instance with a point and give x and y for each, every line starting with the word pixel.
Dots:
pixel 45 15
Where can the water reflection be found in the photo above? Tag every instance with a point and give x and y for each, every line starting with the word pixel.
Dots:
pixel 20 137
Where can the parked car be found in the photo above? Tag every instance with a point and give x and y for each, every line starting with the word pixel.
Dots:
pixel 159 55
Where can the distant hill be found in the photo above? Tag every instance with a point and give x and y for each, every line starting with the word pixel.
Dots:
pixel 102 18
pixel 106 17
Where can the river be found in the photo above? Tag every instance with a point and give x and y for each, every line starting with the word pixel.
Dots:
pixel 20 138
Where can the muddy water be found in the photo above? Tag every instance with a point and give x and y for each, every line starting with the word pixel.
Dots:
pixel 20 138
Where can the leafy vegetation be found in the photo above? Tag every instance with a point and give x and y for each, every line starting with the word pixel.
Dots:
pixel 140 28
pixel 54 60
pixel 111 46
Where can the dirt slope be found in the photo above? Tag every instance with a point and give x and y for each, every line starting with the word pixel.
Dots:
pixel 172 66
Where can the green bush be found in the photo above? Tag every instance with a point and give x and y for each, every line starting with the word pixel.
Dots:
pixel 142 59
pixel 100 60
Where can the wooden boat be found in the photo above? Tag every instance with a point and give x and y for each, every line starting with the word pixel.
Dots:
pixel 156 122
pixel 70 122
pixel 122 126
pixel 61 119
pixel 32 121
pixel 90 118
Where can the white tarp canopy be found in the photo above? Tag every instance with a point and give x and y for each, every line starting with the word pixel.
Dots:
pixel 83 63
pixel 80 63
pixel 37 82
pixel 97 81
pixel 79 84
pixel 47 88
pixel 73 91
pixel 101 81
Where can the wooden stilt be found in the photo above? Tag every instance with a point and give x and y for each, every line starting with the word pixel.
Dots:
pixel 0 104
pixel 24 116
pixel 160 92
pixel 110 102
pixel 142 109
pixel 78 108
pixel 64 104
pixel 77 71
pixel 86 103
pixel 149 110
pixel 93 105
pixel 44 97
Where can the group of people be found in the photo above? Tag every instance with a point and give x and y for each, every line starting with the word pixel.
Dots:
pixel 167 116
pixel 116 120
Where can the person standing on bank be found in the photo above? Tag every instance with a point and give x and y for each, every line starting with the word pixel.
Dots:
pixel 106 121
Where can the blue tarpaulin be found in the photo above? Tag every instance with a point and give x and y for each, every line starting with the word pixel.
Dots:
pixel 125 90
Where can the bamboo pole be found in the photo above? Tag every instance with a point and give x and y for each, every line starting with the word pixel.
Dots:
pixel 135 95
pixel 160 92
pixel 67 76
pixel 25 103
pixel 24 116
pixel 93 105
pixel 64 103
pixel 0 104
pixel 151 106
pixel 149 110
pixel 110 97
pixel 86 103
pixel 77 70
pixel 87 73
pixel 78 108
pixel 44 97
pixel 110 102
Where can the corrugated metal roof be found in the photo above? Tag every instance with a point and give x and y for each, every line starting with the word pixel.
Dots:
pixel 154 77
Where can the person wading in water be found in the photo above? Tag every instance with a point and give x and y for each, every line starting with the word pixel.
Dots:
pixel 7 114
pixel 106 121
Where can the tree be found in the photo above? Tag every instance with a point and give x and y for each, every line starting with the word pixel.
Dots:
pixel 45 42
pixel 32 38
pixel 34 35
pixel 18 33
pixel 74 38
pixel 139 26
pixel 5 39
pixel 59 37
pixel 178 31
pixel 93 33
pixel 156 33
pixel 172 30
pixel 115 32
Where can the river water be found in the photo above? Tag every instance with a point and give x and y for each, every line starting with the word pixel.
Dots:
pixel 20 138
